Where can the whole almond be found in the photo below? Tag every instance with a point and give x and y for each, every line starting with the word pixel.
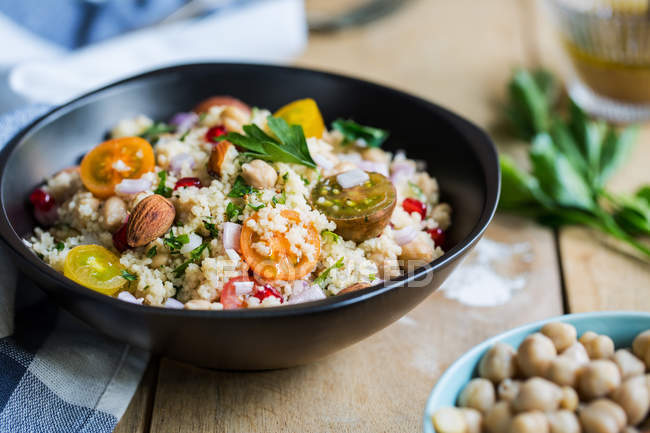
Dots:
pixel 217 157
pixel 354 288
pixel 150 219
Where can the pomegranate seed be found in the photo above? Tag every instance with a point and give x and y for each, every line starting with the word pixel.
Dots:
pixel 438 236
pixel 266 291
pixel 41 200
pixel 214 132
pixel 187 182
pixel 411 205
pixel 119 238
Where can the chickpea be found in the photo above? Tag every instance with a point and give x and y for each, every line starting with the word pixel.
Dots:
pixel 478 394
pixel 198 304
pixel 535 355
pixel 499 363
pixel 259 174
pixel 600 347
pixel 473 419
pixel 160 259
pixel 577 352
pixel 113 213
pixel 569 400
pixel 629 429
pixel 561 334
pixel 641 344
pixel 628 364
pixel 529 422
pixel 602 416
pixel 537 394
pixel 563 421
pixel 598 378
pixel 508 390
pixel 634 398
pixel 587 336
pixel 563 371
pixel 498 419
pixel 449 420
pixel 234 119
pixel 419 250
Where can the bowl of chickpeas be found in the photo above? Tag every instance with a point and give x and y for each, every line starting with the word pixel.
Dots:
pixel 580 373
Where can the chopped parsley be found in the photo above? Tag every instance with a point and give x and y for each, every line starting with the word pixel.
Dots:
pixel 331 234
pixel 256 207
pixel 360 134
pixel 59 246
pixel 280 199
pixel 233 211
pixel 372 277
pixel 416 190
pixel 128 276
pixel 152 251
pixel 285 176
pixel 152 133
pixel 202 116
pixel 162 188
pixel 195 255
pixel 322 278
pixel 212 228
pixel 287 144
pixel 240 188
pixel 185 134
pixel 175 243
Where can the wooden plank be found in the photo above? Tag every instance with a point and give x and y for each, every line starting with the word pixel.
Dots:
pixel 597 275
pixel 459 53
pixel 137 417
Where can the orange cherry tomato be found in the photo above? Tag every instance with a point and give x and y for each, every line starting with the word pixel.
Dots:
pixel 206 104
pixel 303 112
pixel 114 160
pixel 281 264
pixel 229 298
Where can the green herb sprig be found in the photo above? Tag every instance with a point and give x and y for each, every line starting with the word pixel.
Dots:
pixel 355 133
pixel 128 276
pixel 162 188
pixel 322 278
pixel 571 160
pixel 195 256
pixel 153 133
pixel 175 243
pixel 240 188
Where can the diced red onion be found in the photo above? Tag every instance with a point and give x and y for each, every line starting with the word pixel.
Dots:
pixel 305 292
pixel 132 186
pixel 194 242
pixel 232 255
pixel 322 161
pixel 376 167
pixel 405 235
pixel 179 160
pixel 184 121
pixel 174 303
pixel 231 235
pixel 128 297
pixel 351 178
pixel 401 170
pixel 47 218
pixel 243 287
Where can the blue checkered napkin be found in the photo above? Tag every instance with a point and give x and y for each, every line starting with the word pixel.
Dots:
pixel 56 373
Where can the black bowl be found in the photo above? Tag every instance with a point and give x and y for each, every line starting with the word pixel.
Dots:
pixel 459 155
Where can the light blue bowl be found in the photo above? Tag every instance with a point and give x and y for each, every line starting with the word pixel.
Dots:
pixel 621 326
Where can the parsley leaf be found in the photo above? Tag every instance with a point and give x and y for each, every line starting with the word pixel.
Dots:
pixel 233 211
pixel 212 228
pixel 288 143
pixel 331 234
pixel 174 243
pixel 280 199
pixel 240 188
pixel 163 189
pixel 152 133
pixel 128 276
pixel 322 278
pixel 372 277
pixel 185 134
pixel 360 134
pixel 195 255
pixel 152 251
pixel 256 207
pixel 59 246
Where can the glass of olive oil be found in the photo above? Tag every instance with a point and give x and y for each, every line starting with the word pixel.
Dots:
pixel 608 42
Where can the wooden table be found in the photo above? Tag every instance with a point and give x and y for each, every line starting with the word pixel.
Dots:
pixel 460 54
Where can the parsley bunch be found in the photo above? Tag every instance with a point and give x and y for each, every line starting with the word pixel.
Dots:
pixel 571 160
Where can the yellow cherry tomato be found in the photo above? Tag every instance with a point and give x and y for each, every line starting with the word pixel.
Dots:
pixel 303 112
pixel 94 267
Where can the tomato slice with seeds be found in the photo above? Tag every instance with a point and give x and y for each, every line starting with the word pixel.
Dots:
pixel 96 268
pixel 303 112
pixel 281 264
pixel 110 162
pixel 229 298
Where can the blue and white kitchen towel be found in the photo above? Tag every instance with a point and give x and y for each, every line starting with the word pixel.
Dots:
pixel 56 373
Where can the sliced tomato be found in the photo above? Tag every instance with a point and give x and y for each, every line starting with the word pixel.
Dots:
pixel 213 101
pixel 95 267
pixel 303 112
pixel 229 298
pixel 114 160
pixel 282 264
